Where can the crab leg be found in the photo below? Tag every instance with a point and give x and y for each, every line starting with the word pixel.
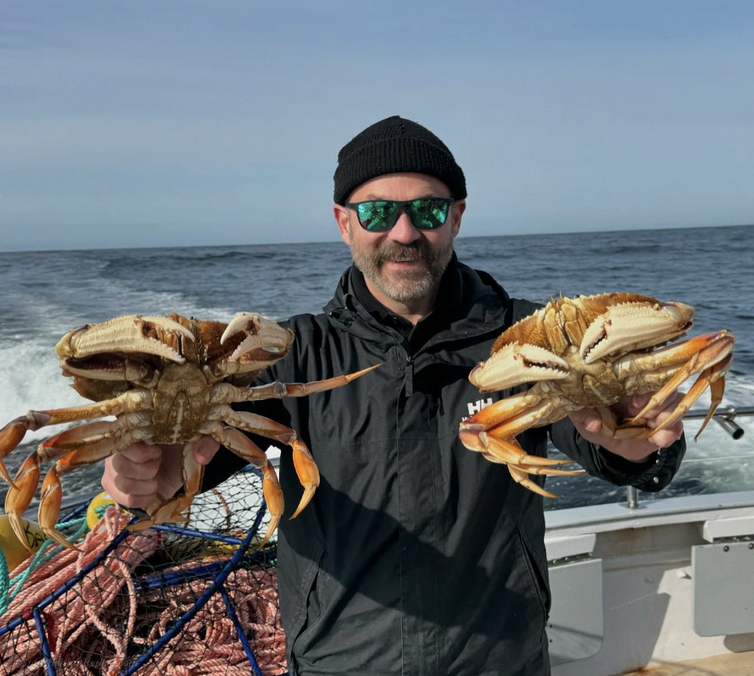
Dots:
pixel 51 497
pixel 490 429
pixel 225 393
pixel 51 493
pixel 133 425
pixel 253 423
pixel 717 389
pixel 709 353
pixel 520 464
pixel 25 484
pixel 522 477
pixel 20 494
pixel 12 434
pixel 505 450
pixel 307 473
pixel 531 403
pixel 492 432
pixel 240 444
pixel 303 462
pixel 713 377
pixel 10 437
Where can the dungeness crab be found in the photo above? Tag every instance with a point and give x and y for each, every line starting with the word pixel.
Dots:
pixel 590 351
pixel 167 380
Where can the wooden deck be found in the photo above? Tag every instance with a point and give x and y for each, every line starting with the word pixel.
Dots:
pixel 729 664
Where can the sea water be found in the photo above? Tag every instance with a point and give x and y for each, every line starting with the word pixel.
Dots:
pixel 44 294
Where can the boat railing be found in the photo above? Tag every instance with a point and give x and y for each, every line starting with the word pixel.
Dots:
pixel 725 416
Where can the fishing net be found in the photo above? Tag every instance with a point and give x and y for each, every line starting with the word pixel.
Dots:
pixel 199 599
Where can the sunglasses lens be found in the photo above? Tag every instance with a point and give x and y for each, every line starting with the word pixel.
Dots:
pixel 429 213
pixel 377 216
pixel 426 213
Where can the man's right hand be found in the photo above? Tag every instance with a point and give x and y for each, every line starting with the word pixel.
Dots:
pixel 141 475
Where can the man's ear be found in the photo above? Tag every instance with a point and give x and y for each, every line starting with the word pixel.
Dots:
pixel 457 209
pixel 343 220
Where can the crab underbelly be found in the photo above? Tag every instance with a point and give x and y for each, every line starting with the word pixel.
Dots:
pixel 180 404
pixel 590 385
pixel 638 381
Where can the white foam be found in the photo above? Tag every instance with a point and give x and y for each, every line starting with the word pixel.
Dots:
pixel 32 380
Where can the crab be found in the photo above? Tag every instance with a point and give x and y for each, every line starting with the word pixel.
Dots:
pixel 166 380
pixel 590 351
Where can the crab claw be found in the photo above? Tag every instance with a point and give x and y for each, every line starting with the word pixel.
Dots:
pixel 262 342
pixel 514 364
pixel 634 325
pixel 159 336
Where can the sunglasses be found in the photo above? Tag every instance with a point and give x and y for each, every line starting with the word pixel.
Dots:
pixel 425 213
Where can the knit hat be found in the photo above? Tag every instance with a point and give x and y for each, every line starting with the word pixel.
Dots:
pixel 391 146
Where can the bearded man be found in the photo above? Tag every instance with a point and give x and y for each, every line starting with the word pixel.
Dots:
pixel 415 557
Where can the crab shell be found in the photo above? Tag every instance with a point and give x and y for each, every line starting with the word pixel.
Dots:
pixel 591 351
pixel 166 380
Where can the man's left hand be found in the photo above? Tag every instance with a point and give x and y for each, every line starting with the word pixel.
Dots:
pixel 589 425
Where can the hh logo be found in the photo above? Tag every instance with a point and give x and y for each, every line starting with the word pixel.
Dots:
pixel 476 406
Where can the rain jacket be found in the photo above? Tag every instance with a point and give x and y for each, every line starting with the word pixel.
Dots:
pixel 416 556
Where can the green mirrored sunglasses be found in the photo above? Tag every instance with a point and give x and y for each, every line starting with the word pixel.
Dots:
pixel 425 213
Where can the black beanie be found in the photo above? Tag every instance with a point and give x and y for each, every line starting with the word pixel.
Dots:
pixel 391 146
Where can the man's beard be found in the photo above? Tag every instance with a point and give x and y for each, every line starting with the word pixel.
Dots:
pixel 408 285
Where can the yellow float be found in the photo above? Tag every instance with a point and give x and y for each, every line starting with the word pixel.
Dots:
pixel 13 549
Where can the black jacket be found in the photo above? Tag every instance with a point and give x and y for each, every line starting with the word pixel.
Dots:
pixel 416 556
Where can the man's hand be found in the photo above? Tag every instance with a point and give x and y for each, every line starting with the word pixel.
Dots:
pixel 589 425
pixel 141 475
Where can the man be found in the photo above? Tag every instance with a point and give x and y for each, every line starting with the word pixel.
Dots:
pixel 415 556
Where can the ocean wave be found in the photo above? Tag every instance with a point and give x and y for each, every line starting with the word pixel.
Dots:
pixel 182 260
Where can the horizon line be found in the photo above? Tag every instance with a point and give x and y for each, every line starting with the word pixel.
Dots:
pixel 335 240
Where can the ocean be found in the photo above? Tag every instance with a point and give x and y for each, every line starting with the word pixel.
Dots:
pixel 44 294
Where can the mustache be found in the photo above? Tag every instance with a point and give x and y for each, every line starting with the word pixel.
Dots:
pixel 392 251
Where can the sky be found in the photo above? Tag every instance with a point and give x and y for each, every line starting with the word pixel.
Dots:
pixel 182 123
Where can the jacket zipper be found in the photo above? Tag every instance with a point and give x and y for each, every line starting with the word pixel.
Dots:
pixel 409 375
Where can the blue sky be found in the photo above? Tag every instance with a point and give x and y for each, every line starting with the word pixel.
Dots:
pixel 179 123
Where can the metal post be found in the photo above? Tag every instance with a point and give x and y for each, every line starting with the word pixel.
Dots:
pixel 632 498
pixel 730 426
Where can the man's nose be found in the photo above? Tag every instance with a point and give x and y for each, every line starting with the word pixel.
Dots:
pixel 404 231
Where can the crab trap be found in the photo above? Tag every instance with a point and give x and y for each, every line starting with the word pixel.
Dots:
pixel 199 599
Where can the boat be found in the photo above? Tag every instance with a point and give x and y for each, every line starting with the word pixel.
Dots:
pixel 662 587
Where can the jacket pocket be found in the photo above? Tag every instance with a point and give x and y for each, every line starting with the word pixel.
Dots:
pixel 537 571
